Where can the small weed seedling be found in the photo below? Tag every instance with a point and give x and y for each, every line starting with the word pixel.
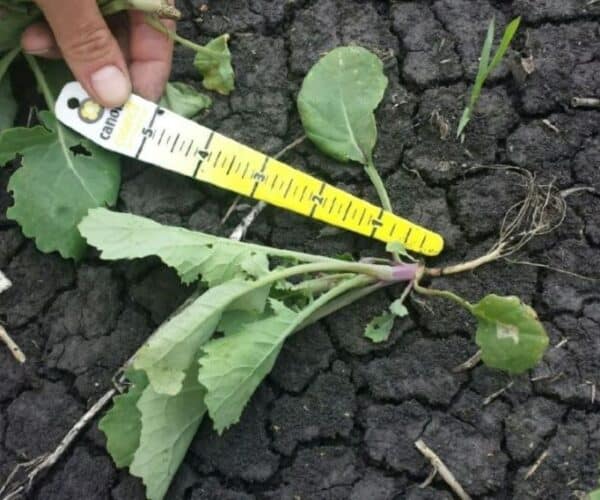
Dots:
pixel 486 67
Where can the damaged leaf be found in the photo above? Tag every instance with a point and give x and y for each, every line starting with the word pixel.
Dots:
pixel 509 333
pixel 57 184
pixel 214 63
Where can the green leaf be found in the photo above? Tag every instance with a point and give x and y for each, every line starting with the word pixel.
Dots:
pixel 122 424
pixel 379 328
pixel 399 248
pixel 169 424
pixel 184 99
pixel 56 186
pixel 397 308
pixel 509 333
pixel 594 495
pixel 192 254
pixel 233 366
pixel 8 104
pixel 173 348
pixel 12 24
pixel 486 67
pixel 337 100
pixel 214 63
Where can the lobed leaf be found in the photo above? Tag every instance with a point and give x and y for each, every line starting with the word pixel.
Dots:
pixel 184 99
pixel 232 367
pixel 169 424
pixel 174 347
pixel 509 333
pixel 191 254
pixel 122 424
pixel 337 100
pixel 214 63
pixel 57 185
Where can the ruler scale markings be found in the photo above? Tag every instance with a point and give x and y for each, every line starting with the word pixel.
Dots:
pixel 274 181
pixel 362 216
pixel 235 168
pixel 347 210
pixel 217 157
pixel 174 143
pixel 259 176
pixel 154 115
pixel 288 188
pixel 303 193
pixel 377 223
pixel 231 165
pixel 209 140
pixel 187 153
pixel 332 204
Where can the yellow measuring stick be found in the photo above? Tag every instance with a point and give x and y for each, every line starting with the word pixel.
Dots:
pixel 143 130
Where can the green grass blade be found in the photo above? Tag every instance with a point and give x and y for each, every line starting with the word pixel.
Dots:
pixel 509 34
pixel 482 72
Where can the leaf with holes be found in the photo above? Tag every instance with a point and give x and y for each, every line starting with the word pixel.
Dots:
pixel 61 178
pixel 509 333
pixel 379 328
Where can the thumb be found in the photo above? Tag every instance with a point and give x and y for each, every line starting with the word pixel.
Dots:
pixel 89 49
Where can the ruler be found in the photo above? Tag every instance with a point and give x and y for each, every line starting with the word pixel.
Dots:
pixel 143 130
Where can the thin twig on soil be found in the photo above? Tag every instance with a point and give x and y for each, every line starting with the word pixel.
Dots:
pixel 231 209
pixel 585 102
pixel 496 394
pixel 536 465
pixel 240 231
pixel 441 468
pixel 469 363
pixel 49 460
pixel 12 346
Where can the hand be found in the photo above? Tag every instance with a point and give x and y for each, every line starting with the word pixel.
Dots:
pixel 108 64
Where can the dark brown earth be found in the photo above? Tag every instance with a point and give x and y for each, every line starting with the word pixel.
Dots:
pixel 338 416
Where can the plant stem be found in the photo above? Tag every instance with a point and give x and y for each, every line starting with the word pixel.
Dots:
pixel 7 59
pixel 161 8
pixel 343 301
pixel 157 25
pixel 318 309
pixel 433 292
pixel 41 81
pixel 465 266
pixel 377 182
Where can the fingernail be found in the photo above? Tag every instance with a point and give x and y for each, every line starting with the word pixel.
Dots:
pixel 37 42
pixel 111 86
